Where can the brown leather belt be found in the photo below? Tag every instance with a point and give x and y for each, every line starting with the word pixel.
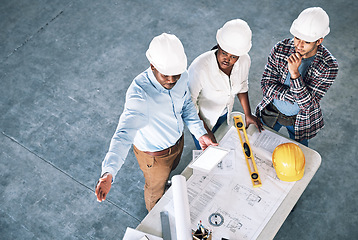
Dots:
pixel 165 151
pixel 283 119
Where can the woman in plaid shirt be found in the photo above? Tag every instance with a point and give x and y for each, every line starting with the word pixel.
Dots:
pixel 298 74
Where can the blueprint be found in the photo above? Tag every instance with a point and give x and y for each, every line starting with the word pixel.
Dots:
pixel 266 142
pixel 225 200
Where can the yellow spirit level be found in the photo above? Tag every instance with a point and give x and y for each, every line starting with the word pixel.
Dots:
pixel 246 148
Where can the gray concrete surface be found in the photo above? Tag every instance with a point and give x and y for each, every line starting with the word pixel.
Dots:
pixel 64 70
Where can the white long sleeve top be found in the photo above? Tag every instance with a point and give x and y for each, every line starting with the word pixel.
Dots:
pixel 212 90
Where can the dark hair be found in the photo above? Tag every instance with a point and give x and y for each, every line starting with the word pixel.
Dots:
pixel 215 47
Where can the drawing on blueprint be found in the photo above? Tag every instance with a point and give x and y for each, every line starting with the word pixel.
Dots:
pixel 250 197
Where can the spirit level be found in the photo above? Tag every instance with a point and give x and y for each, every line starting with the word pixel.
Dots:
pixel 246 148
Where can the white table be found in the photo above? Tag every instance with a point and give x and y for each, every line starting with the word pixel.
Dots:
pixel 151 223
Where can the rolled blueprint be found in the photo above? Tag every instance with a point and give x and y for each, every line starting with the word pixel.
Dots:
pixel 181 208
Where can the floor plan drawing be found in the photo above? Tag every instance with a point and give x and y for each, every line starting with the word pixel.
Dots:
pixel 225 199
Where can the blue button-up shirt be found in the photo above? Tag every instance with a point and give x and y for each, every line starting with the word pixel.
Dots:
pixel 153 119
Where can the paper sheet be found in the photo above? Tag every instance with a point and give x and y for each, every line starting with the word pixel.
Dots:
pixel 133 234
pixel 226 166
pixel 245 210
pixel 266 142
pixel 208 159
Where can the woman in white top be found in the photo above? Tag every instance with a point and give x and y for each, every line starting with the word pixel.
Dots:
pixel 216 76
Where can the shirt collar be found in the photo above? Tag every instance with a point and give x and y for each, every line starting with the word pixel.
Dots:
pixel 155 82
pixel 215 66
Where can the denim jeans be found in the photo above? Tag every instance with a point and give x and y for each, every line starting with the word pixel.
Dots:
pixel 220 121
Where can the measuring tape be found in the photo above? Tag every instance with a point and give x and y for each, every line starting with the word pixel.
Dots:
pixel 246 148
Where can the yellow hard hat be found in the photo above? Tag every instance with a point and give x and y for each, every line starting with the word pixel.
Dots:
pixel 289 162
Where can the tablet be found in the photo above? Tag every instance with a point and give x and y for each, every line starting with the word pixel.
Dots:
pixel 208 159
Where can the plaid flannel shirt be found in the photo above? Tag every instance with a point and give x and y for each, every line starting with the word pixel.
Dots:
pixel 307 91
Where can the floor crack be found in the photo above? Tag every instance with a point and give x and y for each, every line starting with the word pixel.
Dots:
pixel 38 31
pixel 68 175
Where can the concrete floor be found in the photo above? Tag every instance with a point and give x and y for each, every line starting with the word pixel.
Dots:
pixel 64 70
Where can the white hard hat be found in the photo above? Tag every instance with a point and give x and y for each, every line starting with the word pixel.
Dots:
pixel 311 25
pixel 235 37
pixel 166 54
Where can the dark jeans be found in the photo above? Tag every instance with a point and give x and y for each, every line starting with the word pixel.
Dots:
pixel 220 121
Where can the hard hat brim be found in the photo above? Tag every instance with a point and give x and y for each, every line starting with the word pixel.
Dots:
pixel 166 53
pixel 291 178
pixel 305 37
